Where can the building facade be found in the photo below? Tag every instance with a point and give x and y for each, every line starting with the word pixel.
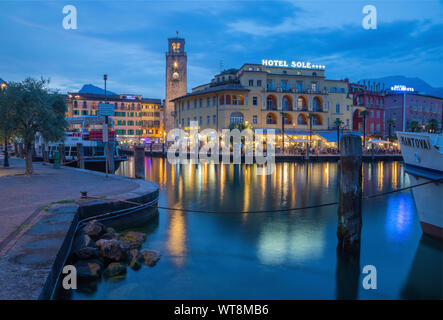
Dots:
pixel 420 109
pixel 259 94
pixel 176 78
pixel 369 97
pixel 135 117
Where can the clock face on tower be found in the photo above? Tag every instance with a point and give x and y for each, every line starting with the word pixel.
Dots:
pixel 175 76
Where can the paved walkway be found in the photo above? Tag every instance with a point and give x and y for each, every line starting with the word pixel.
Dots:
pixel 21 196
pixel 31 238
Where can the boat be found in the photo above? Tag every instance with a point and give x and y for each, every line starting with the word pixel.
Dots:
pixel 82 130
pixel 423 161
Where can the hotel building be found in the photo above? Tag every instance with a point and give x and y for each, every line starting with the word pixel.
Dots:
pixel 370 97
pixel 260 94
pixel 419 108
pixel 135 117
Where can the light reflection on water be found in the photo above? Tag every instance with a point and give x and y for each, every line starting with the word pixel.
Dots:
pixel 282 255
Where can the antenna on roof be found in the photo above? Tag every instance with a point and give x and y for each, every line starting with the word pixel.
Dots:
pixel 176 33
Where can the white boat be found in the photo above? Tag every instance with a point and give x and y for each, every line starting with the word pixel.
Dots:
pixel 83 130
pixel 423 161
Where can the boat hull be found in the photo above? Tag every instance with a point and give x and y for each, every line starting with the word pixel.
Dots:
pixel 423 163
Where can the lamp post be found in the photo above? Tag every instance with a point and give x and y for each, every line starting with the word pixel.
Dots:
pixel 6 159
pixel 105 131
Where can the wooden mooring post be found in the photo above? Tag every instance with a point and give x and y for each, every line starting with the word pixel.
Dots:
pixel 139 162
pixel 80 156
pixel 350 195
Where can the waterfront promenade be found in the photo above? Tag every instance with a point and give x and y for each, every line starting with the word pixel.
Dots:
pixel 36 214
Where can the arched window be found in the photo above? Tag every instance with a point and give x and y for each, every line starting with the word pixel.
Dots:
pixel 317 105
pixel 302 120
pixel 84 104
pixel 316 120
pixel 222 100
pixel 271 102
pixel 271 119
pixel 75 103
pixel 234 99
pixel 287 103
pixel 241 100
pixel 236 118
pixel 228 99
pixel 302 104
pixel 288 119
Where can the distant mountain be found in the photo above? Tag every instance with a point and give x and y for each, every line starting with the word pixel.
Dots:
pixel 89 88
pixel 418 84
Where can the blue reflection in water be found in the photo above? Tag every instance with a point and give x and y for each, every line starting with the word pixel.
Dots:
pixel 399 217
pixel 281 255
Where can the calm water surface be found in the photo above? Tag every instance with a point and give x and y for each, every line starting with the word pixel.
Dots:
pixel 284 255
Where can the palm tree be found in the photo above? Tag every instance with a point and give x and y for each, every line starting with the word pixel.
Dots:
pixel 432 125
pixel 414 125
pixel 364 113
pixel 338 123
pixel 390 122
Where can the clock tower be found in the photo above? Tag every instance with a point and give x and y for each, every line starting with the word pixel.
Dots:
pixel 176 78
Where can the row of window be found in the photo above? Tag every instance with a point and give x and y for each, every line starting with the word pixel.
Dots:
pixel 122 105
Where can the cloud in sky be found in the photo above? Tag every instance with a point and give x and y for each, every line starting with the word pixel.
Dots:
pixel 128 39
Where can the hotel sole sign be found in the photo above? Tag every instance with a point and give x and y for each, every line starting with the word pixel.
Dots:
pixel 292 64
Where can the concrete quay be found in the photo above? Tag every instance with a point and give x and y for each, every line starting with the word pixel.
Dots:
pixel 39 215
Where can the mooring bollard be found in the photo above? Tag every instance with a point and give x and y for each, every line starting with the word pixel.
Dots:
pixel 350 193
pixel 139 162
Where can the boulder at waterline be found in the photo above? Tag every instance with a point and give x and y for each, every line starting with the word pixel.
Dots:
pixel 82 240
pixel 94 229
pixel 115 269
pixel 88 270
pixel 150 257
pixel 134 259
pixel 111 250
pixel 87 253
pixel 134 239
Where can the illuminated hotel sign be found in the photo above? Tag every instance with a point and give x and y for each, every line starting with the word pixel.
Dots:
pixel 402 88
pixel 292 64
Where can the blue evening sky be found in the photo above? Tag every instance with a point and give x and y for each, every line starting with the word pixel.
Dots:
pixel 128 39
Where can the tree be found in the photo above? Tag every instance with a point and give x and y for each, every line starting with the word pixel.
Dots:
pixel 36 109
pixel 338 123
pixel 6 113
pixel 364 113
pixel 390 123
pixel 414 125
pixel 432 125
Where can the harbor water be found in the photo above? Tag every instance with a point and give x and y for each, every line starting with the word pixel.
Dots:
pixel 281 255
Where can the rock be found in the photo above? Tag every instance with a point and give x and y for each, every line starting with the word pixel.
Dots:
pixel 88 270
pixel 134 239
pixel 150 257
pixel 134 258
pixel 109 235
pixel 111 250
pixel 87 253
pixel 94 229
pixel 115 269
pixel 82 240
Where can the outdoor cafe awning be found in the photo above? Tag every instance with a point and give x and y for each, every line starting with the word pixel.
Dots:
pixel 331 135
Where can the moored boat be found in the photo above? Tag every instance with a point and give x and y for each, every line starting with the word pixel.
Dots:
pixel 84 131
pixel 423 161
